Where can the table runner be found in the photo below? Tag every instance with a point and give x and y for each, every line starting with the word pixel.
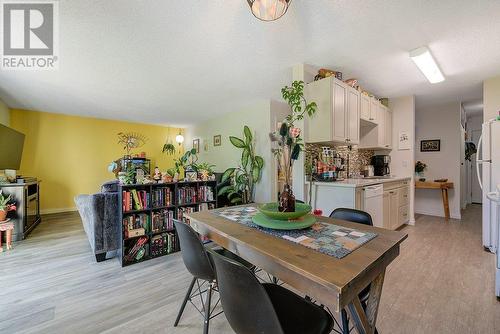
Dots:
pixel 329 239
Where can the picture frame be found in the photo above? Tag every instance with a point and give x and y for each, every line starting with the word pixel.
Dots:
pixel 196 145
pixel 432 145
pixel 217 140
pixel 404 142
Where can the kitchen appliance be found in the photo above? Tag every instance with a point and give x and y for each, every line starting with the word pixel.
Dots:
pixel 373 203
pixel 368 170
pixel 494 197
pixel 489 159
pixel 381 165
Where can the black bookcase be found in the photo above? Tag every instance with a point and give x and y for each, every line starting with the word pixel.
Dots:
pixel 148 226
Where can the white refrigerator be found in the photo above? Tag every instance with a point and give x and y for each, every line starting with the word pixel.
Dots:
pixel 489 179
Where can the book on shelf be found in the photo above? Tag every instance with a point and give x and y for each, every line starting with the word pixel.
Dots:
pixel 135 200
pixel 162 244
pixel 133 225
pixel 181 212
pixel 186 195
pixel 162 221
pixel 205 194
pixel 162 197
pixel 136 250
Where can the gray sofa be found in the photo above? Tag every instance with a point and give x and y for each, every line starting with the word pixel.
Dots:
pixel 100 218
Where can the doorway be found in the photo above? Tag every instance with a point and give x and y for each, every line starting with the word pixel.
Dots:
pixel 476 193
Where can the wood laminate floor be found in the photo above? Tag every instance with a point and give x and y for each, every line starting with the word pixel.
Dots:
pixel 50 283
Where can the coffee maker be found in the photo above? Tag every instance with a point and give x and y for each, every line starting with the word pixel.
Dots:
pixel 381 165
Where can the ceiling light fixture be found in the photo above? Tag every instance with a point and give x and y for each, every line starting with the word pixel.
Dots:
pixel 268 10
pixel 179 138
pixel 422 57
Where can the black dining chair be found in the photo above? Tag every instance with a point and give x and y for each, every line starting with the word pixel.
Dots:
pixel 360 217
pixel 252 307
pixel 196 259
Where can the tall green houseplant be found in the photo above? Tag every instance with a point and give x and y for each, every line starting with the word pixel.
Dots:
pixel 247 174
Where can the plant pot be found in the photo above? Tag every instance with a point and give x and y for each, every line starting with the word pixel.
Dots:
pixel 3 215
pixel 286 200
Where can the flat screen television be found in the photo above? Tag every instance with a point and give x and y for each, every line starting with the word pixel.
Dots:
pixel 11 148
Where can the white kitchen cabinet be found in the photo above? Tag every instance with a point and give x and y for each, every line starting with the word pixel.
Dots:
pixel 377 136
pixel 374 104
pixel 396 204
pixel 353 106
pixel 365 108
pixel 388 128
pixel 337 117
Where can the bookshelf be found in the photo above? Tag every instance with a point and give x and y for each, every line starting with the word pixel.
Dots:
pixel 147 213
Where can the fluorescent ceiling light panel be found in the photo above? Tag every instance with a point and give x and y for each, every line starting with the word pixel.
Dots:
pixel 422 57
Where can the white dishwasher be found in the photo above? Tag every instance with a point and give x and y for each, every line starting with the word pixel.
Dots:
pixel 373 203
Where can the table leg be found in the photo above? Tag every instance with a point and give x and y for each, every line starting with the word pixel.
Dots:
pixel 365 320
pixel 446 205
pixel 9 239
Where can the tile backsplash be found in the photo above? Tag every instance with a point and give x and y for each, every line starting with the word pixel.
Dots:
pixel 357 157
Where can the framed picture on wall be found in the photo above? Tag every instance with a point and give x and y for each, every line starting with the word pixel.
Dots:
pixel 217 140
pixel 433 145
pixel 196 145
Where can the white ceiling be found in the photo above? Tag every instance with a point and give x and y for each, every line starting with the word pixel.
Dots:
pixel 181 62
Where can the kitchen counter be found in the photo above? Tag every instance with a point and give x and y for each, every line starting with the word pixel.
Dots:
pixel 360 182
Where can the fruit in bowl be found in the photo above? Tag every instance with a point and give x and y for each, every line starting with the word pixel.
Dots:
pixel 271 211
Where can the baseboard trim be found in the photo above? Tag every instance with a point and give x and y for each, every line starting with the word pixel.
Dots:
pixel 435 214
pixel 57 210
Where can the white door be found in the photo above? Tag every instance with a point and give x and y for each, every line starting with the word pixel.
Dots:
pixel 476 193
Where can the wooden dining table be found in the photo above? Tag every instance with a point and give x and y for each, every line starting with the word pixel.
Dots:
pixel 333 282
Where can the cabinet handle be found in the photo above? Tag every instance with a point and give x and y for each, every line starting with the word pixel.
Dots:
pixel 391 192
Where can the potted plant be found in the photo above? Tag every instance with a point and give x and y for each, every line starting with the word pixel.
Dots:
pixel 289 143
pixel 420 167
pixel 247 174
pixel 5 207
pixel 187 162
pixel 205 171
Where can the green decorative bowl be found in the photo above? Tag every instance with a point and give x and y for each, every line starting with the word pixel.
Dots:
pixel 277 224
pixel 271 211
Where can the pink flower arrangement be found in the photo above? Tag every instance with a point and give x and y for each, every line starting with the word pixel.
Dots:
pixel 294 132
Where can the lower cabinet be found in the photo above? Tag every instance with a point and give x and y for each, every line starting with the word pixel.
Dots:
pixel 395 205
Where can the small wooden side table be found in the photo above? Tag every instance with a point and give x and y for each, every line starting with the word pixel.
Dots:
pixel 444 186
pixel 6 226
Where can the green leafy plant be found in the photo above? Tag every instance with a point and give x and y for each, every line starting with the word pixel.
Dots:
pixel 247 174
pixel 171 172
pixel 187 160
pixel 470 149
pixel 420 167
pixel 169 148
pixel 204 166
pixel 289 143
pixel 4 200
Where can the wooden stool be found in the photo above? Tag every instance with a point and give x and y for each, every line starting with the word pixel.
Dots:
pixel 7 227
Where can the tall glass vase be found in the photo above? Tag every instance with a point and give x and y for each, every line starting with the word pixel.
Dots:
pixel 287 199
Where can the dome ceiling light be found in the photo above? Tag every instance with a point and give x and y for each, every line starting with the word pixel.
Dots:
pixel 269 10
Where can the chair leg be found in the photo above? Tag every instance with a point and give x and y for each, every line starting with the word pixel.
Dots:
pixel 184 302
pixel 207 308
pixel 345 322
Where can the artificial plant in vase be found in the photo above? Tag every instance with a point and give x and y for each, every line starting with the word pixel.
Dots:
pixel 420 167
pixel 247 174
pixel 288 140
pixel 5 207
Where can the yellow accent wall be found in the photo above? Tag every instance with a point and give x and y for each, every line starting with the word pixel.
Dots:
pixel 70 154
pixel 4 114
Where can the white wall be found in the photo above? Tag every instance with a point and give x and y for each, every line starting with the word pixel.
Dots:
pixel 491 98
pixel 258 118
pixel 440 122
pixel 4 114
pixel 403 161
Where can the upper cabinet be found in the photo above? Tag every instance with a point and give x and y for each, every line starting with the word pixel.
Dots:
pixel 379 135
pixel 338 114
